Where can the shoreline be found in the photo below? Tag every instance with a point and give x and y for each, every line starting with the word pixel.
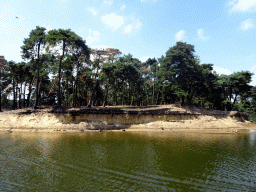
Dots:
pixel 165 118
pixel 234 130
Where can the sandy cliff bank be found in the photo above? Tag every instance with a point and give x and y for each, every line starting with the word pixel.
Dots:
pixel 153 118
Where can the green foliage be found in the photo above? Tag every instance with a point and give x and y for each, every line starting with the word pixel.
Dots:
pixel 66 67
pixel 31 48
pixel 66 38
pixel 33 42
pixel 180 69
pixel 72 44
pixel 124 76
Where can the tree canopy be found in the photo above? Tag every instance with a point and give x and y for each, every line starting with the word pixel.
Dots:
pixel 59 65
pixel 65 38
pixel 31 50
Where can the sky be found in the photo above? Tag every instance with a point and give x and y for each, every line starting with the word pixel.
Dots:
pixel 222 31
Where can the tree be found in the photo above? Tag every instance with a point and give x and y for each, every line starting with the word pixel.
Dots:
pixel 101 58
pixel 234 87
pixel 13 76
pixel 3 67
pixel 31 50
pixel 252 100
pixel 64 38
pixel 152 65
pixel 240 82
pixel 206 89
pixel 81 53
pixel 125 79
pixel 179 69
pixel 108 76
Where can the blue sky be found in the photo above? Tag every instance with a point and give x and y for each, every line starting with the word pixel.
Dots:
pixel 223 32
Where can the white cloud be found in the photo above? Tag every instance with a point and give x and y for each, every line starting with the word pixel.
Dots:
pixel 94 36
pixel 122 7
pixel 108 2
pixel 247 24
pixel 128 28
pixel 180 35
pixel 145 58
pixel 231 3
pixel 93 11
pixel 112 20
pixel 221 70
pixel 243 5
pixel 200 33
pixel 137 24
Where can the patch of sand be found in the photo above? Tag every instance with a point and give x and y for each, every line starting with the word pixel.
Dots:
pixel 192 119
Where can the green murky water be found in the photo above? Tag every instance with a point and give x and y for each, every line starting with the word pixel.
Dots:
pixel 123 161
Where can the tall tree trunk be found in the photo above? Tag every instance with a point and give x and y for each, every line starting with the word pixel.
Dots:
pixel 115 98
pixel 122 94
pixel 191 96
pixel 106 96
pixel 19 98
pixel 59 87
pixel 75 88
pixel 235 99
pixel 0 99
pixel 24 95
pixel 37 76
pixel 30 90
pixel 74 93
pixel 182 100
pixel 28 97
pixel 43 97
pixel 74 85
pixel 14 94
pixel 230 95
pixel 0 90
pixel 39 95
pixel 20 93
pixel 157 98
pixel 90 101
pixel 153 91
pixel 132 96
pixel 114 94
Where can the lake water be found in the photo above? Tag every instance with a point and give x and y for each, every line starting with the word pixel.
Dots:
pixel 125 161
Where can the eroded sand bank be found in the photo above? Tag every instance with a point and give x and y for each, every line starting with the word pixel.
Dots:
pixel 158 118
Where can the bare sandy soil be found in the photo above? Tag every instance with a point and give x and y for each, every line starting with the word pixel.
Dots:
pixel 126 118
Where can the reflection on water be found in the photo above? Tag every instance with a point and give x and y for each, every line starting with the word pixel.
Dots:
pixel 111 161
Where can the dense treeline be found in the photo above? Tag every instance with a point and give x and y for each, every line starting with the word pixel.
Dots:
pixel 58 70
